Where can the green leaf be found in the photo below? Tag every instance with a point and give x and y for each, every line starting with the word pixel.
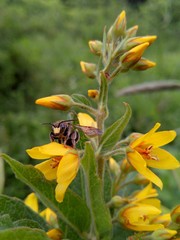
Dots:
pixel 120 233
pixel 23 233
pixel 99 212
pixel 5 221
pixel 17 210
pixel 70 211
pixel 112 134
pixel 81 99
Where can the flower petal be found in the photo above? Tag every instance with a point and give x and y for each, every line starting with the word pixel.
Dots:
pixel 32 201
pixel 86 120
pixel 67 171
pixel 162 138
pixel 48 150
pixel 140 165
pixel 165 160
pixel 145 137
pixel 146 192
pixel 46 168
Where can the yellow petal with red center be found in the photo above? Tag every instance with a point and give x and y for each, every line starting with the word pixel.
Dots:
pixel 47 169
pixel 32 201
pixel 48 150
pixel 67 171
pixel 138 217
pixel 162 159
pixel 139 164
pixel 145 137
pixel 162 138
pixel 86 120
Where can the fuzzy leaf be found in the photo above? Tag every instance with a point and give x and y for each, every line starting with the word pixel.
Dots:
pixel 17 211
pixel 70 211
pixel 81 99
pixel 113 133
pixel 24 233
pixel 99 212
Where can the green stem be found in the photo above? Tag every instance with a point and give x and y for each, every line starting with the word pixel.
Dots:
pixel 87 108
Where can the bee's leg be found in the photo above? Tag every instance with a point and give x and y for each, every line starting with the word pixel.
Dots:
pixel 51 136
pixel 74 138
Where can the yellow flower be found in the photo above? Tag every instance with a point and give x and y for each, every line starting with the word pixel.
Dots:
pixel 164 219
pixel 145 151
pixel 62 165
pixel 60 102
pixel 138 217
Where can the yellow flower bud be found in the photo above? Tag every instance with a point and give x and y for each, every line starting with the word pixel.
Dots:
pixel 131 32
pixel 114 167
pixel 95 47
pixel 162 234
pixel 89 69
pixel 118 29
pixel 93 93
pixel 54 234
pixel 135 41
pixel 125 166
pixel 117 201
pixel 60 102
pixel 175 215
pixel 143 64
pixel 133 56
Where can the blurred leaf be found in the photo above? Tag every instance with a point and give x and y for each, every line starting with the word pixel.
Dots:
pixel 99 212
pixel 18 211
pixel 81 99
pixel 112 134
pixel 69 211
pixel 24 233
pixel 2 177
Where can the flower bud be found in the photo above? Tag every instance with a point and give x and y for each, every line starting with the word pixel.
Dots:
pixel 114 167
pixel 143 64
pixel 140 179
pixel 118 29
pixel 93 93
pixel 117 201
pixel 54 234
pixel 175 215
pixel 131 32
pixel 133 56
pixel 89 69
pixel 125 166
pixel 135 41
pixel 60 102
pixel 162 234
pixel 96 47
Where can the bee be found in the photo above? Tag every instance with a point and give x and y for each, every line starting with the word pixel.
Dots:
pixel 66 132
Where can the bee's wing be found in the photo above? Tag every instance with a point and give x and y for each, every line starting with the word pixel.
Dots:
pixel 89 131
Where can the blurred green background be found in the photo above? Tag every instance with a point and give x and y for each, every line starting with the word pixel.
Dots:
pixel 41 45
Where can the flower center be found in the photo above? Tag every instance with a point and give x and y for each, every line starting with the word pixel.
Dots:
pixel 55 161
pixel 147 152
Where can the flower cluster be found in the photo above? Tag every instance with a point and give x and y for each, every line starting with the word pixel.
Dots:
pixel 141 211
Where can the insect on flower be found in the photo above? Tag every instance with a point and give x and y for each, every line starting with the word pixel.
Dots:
pixel 66 132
